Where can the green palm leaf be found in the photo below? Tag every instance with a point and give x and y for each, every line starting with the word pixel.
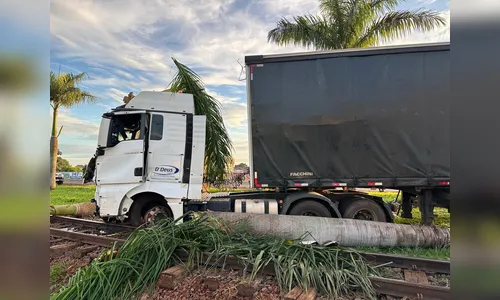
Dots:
pixel 398 24
pixel 64 90
pixel 218 146
pixel 352 23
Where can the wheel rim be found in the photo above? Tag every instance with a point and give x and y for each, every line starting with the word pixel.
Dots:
pixel 364 214
pixel 154 214
pixel 310 214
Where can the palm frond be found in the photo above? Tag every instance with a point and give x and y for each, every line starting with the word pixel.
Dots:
pixel 307 31
pixel 64 90
pixel 399 24
pixel 336 11
pixel 352 23
pixel 383 5
pixel 356 17
pixel 218 146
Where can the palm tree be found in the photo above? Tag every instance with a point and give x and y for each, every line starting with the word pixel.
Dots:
pixel 218 146
pixel 345 24
pixel 63 92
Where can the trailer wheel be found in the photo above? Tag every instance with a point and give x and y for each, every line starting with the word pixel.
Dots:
pixel 362 209
pixel 148 210
pixel 310 208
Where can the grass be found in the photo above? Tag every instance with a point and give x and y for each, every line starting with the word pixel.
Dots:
pixel 430 253
pixel 442 219
pixel 71 194
pixel 218 190
pixel 387 196
pixel 57 274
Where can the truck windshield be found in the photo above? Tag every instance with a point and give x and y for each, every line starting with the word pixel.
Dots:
pixel 125 128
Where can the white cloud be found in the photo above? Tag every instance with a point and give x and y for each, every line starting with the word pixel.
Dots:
pixel 74 127
pixel 132 42
pixel 426 2
pixel 235 115
pixel 117 94
pixel 77 154
pixel 78 136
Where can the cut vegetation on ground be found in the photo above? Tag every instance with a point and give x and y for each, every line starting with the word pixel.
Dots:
pixel 148 251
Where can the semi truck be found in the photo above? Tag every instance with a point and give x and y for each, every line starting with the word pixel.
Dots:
pixel 317 121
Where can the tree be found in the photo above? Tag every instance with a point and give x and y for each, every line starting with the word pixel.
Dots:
pixel 218 146
pixel 79 168
pixel 63 93
pixel 352 24
pixel 63 165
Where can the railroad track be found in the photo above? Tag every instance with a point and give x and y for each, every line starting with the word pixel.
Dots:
pixel 88 231
pixel 107 235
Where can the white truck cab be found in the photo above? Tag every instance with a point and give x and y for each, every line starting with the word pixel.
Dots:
pixel 150 158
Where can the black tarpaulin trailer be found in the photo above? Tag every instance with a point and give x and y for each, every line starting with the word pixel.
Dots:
pixel 375 117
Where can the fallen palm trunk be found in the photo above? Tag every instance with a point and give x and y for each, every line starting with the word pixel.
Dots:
pixel 347 232
pixel 78 209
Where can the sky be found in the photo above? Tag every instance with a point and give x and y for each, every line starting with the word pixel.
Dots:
pixel 127 46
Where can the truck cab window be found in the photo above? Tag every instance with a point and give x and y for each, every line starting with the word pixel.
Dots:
pixel 126 128
pixel 157 128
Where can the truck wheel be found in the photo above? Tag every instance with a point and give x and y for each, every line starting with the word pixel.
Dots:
pixel 156 213
pixel 310 208
pixel 362 209
pixel 148 212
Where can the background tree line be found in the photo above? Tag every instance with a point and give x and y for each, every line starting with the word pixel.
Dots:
pixel 63 165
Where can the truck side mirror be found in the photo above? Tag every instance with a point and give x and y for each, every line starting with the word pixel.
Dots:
pixel 102 140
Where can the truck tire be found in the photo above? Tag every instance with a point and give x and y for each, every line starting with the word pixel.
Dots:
pixel 147 210
pixel 362 209
pixel 310 208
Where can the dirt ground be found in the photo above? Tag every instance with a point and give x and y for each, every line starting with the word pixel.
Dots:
pixel 193 287
pixel 65 261
pixel 442 280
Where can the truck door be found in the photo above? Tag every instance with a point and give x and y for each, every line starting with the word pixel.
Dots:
pixel 166 147
pixel 123 158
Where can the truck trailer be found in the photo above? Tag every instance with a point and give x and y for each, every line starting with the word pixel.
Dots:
pixel 318 121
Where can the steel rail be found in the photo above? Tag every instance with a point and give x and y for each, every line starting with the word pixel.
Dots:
pixel 92 223
pixel 405 262
pixel 86 238
pixel 400 288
